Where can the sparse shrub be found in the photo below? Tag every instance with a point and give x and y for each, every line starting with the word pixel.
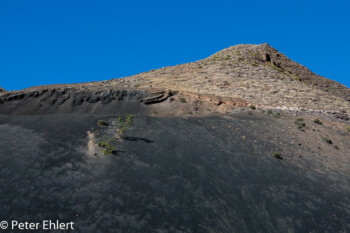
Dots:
pixel 269 111
pixel 348 128
pixel 300 119
pixel 124 125
pixel 329 141
pixel 137 85
pixel 217 57
pixel 277 115
pixel 277 155
pixel 295 77
pixel 336 147
pixel 182 100
pixel 107 147
pixel 252 107
pixel 300 123
pixel 277 68
pixel 228 57
pixel 254 64
pixel 102 123
pixel 108 152
pixel 317 121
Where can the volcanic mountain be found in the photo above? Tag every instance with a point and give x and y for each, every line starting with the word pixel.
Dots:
pixel 258 74
pixel 245 140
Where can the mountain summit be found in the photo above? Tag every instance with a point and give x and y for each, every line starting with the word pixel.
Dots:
pixel 256 73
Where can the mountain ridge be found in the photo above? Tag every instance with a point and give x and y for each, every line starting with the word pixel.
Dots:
pixel 257 74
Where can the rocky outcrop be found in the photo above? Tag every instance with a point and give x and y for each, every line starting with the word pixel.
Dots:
pixel 2 90
pixel 301 73
pixel 59 96
pixel 157 97
pixel 66 100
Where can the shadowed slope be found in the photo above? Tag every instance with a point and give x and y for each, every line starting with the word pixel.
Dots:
pixel 208 174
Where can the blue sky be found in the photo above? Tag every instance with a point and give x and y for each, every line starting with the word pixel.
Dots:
pixel 61 41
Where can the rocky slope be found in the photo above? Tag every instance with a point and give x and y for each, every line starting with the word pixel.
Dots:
pixel 258 74
pixel 2 89
pixel 249 74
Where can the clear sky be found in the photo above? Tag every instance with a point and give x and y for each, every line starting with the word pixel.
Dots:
pixel 70 41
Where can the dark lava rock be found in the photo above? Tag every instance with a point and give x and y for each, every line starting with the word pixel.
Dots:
pixel 106 98
pixel 92 98
pixel 133 93
pixel 42 92
pixel 157 98
pixel 116 94
pixel 33 94
pixel 61 92
pixel 124 94
pixel 78 98
pixel 52 92
pixel 61 101
pixel 153 99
